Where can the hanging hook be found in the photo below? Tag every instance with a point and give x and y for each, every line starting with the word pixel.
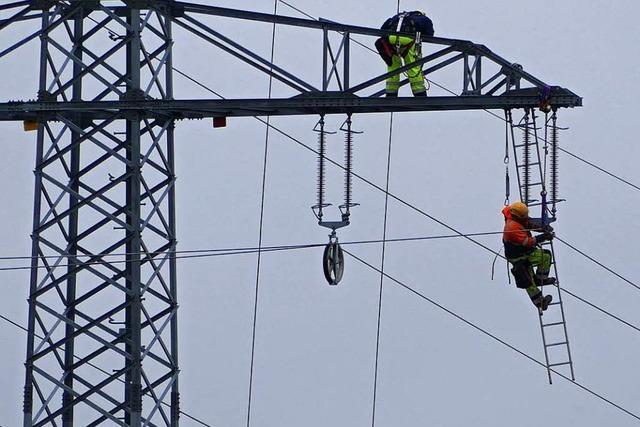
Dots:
pixel 505 160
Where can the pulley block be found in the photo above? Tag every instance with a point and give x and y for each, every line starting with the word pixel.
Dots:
pixel 333 262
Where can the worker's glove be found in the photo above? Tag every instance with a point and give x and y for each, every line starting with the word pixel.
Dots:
pixel 542 238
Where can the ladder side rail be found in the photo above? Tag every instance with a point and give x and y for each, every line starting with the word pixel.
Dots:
pixel 562 314
pixel 515 150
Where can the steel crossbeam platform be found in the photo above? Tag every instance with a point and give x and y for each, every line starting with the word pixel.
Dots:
pixel 324 103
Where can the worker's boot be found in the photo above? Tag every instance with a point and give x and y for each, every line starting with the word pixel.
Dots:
pixel 391 94
pixel 542 302
pixel 544 279
pixel 420 94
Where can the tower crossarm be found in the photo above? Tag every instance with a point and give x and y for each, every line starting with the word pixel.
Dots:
pixel 311 103
pixel 489 81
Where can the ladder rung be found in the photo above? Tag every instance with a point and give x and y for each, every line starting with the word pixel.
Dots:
pixel 530 164
pixel 556 343
pixel 555 303
pixel 559 364
pixel 553 324
pixel 531 144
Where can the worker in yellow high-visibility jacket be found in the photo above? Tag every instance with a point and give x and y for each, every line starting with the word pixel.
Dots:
pixel 399 50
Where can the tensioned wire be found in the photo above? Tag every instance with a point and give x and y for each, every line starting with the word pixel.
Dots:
pixel 442 308
pixel 231 250
pixel 382 259
pixel 391 278
pixel 209 253
pixel 259 257
pixel 494 337
pixel 426 299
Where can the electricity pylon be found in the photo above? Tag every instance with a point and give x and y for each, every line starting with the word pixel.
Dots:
pixel 103 336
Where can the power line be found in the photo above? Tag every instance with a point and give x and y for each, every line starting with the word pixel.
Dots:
pixel 382 259
pixel 412 290
pixel 595 261
pixel 494 337
pixel 241 251
pixel 205 255
pixel 262 198
pixel 214 250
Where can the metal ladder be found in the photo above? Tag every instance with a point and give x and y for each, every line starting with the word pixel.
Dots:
pixel 531 170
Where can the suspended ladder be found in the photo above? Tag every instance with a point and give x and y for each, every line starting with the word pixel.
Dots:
pixel 532 168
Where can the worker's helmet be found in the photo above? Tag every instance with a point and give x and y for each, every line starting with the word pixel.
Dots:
pixel 519 210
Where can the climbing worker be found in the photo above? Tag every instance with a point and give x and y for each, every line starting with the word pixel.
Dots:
pixel 395 49
pixel 522 251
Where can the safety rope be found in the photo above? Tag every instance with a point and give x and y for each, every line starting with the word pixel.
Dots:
pixel 259 256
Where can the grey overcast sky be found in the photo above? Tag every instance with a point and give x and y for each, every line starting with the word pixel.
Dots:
pixel 315 345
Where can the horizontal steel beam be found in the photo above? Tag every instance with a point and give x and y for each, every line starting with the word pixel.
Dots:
pixel 185 7
pixel 330 103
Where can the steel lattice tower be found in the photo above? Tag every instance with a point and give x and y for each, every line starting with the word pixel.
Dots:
pixel 102 333
pixel 103 283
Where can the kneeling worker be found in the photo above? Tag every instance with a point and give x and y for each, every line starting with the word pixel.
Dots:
pixel 522 251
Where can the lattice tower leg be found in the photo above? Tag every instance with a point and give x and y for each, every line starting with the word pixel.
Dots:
pixel 102 341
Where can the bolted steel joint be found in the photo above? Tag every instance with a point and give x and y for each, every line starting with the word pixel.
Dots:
pixel 45 96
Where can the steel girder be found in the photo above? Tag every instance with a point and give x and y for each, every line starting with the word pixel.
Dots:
pixel 327 103
pixel 102 341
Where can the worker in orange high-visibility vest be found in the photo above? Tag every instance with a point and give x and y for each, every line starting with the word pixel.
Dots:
pixel 522 251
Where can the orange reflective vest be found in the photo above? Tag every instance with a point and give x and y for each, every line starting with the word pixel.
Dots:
pixel 517 239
